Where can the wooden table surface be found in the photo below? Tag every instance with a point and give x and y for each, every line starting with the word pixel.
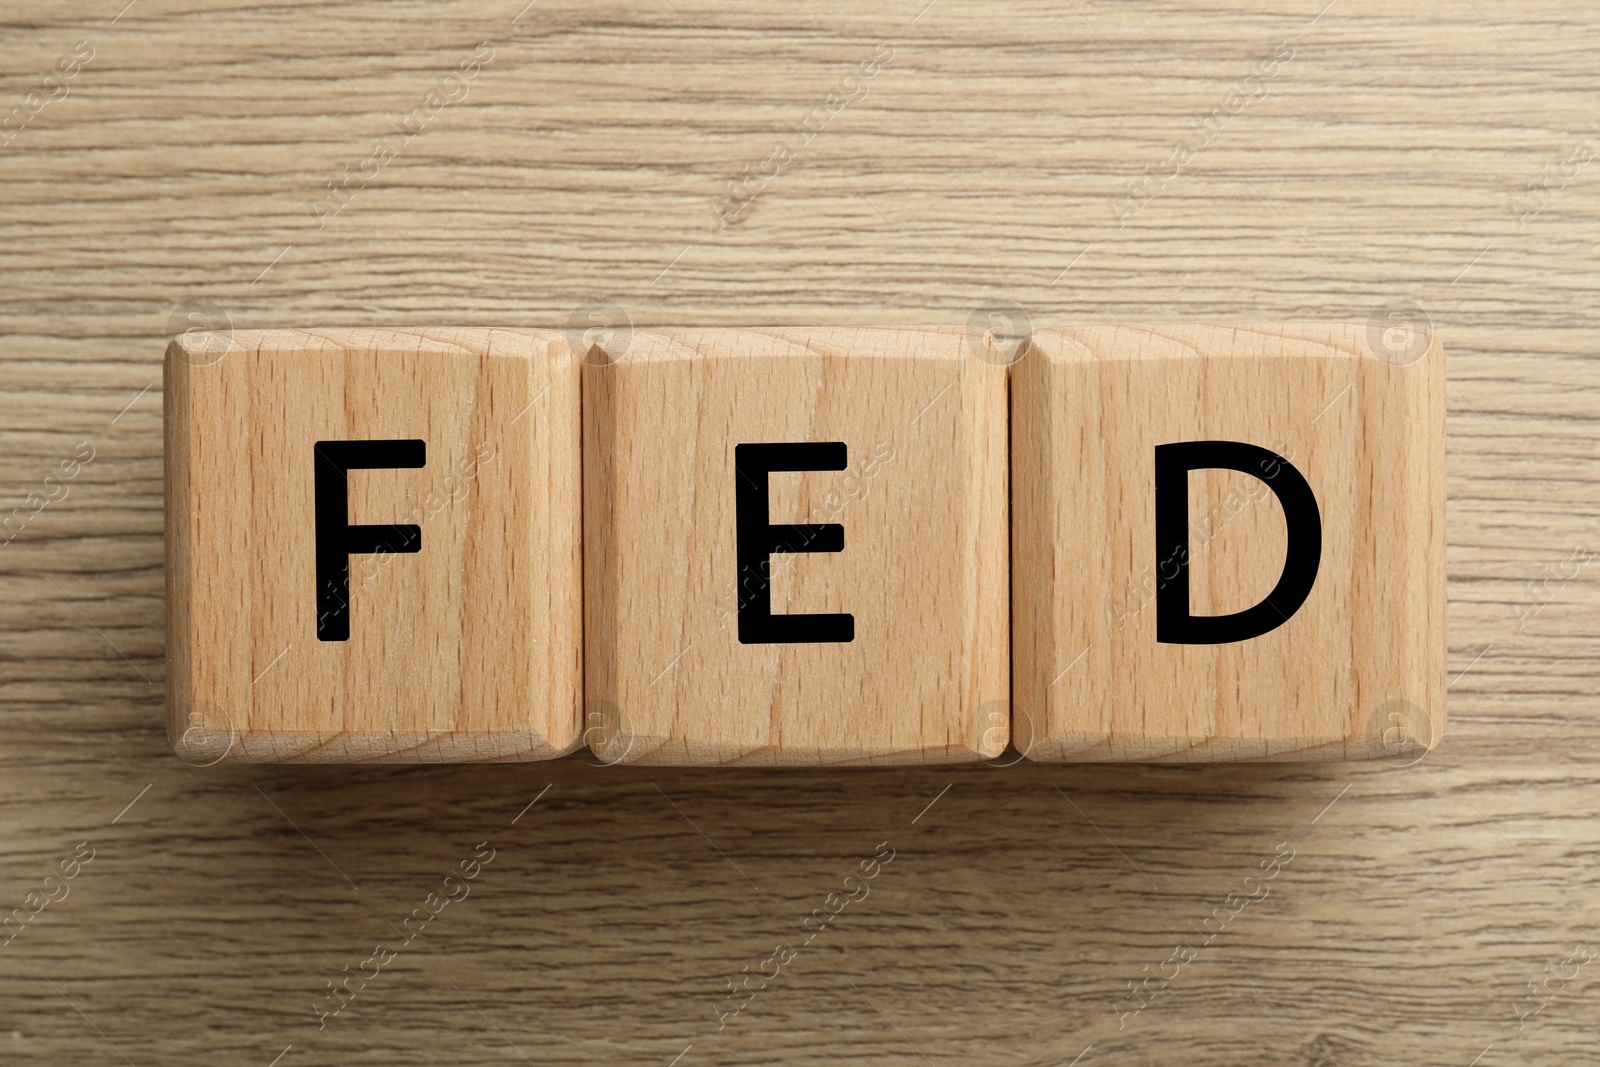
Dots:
pixel 183 161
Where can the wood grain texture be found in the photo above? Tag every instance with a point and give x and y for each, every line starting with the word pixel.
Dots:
pixel 1390 158
pixel 916 497
pixel 1353 668
pixel 462 645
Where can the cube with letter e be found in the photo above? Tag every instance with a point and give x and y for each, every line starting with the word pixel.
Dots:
pixel 795 547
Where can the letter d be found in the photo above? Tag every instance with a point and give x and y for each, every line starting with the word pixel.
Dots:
pixel 1174 624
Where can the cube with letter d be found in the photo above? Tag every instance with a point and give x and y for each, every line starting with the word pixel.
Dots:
pixel 1228 543
pixel 795 547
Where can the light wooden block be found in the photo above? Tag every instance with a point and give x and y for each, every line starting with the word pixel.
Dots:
pixel 908 431
pixel 1357 670
pixel 464 643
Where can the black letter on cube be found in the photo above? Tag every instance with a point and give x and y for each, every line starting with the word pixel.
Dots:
pixel 758 539
pixel 337 540
pixel 1174 624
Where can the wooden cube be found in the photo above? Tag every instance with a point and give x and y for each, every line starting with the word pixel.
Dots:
pixel 1228 544
pixel 795 547
pixel 373 546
